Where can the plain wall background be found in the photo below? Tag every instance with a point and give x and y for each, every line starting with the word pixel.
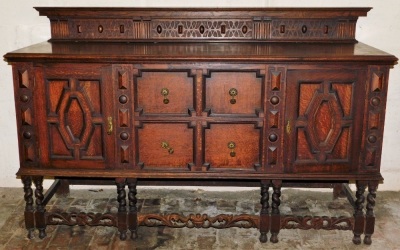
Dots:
pixel 20 26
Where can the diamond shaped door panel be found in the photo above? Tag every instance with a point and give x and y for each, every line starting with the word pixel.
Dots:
pixel 76 120
pixel 320 123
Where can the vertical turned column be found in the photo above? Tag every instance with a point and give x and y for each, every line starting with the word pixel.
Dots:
pixel 122 226
pixel 132 215
pixel 358 212
pixel 275 214
pixel 370 216
pixel 40 219
pixel 264 214
pixel 29 208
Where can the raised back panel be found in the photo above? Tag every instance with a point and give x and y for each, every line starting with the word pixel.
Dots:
pixel 179 24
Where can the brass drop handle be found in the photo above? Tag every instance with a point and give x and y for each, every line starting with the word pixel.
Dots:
pixel 109 125
pixel 232 146
pixel 165 145
pixel 233 92
pixel 165 92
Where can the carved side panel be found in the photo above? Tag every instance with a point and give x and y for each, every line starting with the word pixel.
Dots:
pixel 274 106
pixel 375 105
pixel 24 103
pixel 322 125
pixel 122 77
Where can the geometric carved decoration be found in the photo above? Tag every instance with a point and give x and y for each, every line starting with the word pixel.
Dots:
pixel 29 152
pixel 26 116
pixel 377 82
pixel 124 154
pixel 322 130
pixel 123 80
pixel 272 155
pixel 124 118
pixel 23 79
pixel 75 121
pixel 273 119
pixel 202 29
pixel 373 121
pixel 276 80
pixel 370 157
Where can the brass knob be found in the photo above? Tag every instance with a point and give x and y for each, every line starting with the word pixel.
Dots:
pixel 233 92
pixel 165 92
pixel 232 146
pixel 165 145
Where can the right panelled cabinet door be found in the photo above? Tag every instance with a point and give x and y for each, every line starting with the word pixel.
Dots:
pixel 324 120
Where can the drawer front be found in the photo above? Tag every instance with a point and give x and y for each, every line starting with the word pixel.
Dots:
pixel 163 145
pixel 324 120
pixel 232 146
pixel 164 92
pixel 233 92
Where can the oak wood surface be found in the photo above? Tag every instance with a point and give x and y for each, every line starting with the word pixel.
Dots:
pixel 199 52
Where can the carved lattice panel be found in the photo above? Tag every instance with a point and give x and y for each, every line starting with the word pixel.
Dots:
pixel 75 119
pixel 321 124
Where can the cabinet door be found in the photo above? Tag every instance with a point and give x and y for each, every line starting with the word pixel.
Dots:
pixel 324 120
pixel 75 120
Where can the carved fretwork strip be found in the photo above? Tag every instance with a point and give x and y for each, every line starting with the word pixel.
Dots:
pixel 81 219
pixel 216 29
pixel 199 220
pixel 317 222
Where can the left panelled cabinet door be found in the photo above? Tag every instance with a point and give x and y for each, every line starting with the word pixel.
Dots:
pixel 74 112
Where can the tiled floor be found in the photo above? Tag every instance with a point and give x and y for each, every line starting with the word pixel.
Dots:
pixel 13 234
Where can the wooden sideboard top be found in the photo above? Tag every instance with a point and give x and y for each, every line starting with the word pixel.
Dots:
pixel 229 52
pixel 203 24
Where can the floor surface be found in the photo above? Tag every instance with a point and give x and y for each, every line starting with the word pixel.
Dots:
pixel 13 234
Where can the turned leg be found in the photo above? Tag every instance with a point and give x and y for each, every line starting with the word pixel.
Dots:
pixel 40 219
pixel 370 216
pixel 29 208
pixel 132 215
pixel 63 188
pixel 358 212
pixel 264 216
pixel 338 191
pixel 122 227
pixel 275 214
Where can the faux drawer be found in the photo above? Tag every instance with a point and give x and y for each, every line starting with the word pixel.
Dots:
pixel 164 145
pixel 233 92
pixel 164 92
pixel 234 146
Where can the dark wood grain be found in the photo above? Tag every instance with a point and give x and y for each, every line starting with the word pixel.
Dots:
pixel 240 100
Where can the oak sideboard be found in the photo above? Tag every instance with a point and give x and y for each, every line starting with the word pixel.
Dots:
pixel 266 97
